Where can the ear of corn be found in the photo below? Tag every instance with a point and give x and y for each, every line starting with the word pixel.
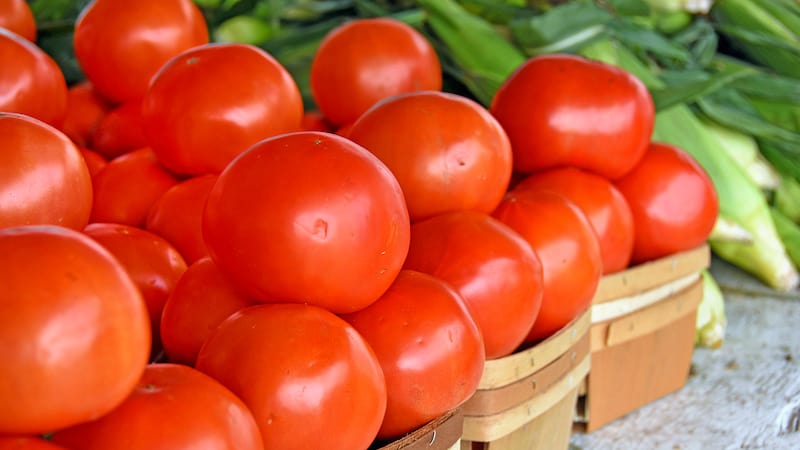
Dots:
pixel 711 319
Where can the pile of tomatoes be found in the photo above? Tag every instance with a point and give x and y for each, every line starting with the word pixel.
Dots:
pixel 191 258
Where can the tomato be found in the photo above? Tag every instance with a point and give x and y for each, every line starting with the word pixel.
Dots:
pixel 84 112
pixel 306 374
pixel 429 348
pixel 200 300
pixel 601 202
pixel 126 188
pixel 490 265
pixel 673 200
pixel 366 60
pixel 308 217
pixel 561 110
pixel 120 130
pixel 43 177
pixel 94 161
pixel 172 407
pixel 16 16
pixel 152 263
pixel 447 151
pixel 315 121
pixel 210 103
pixel 562 237
pixel 31 83
pixel 75 335
pixel 27 443
pixel 121 45
pixel 177 216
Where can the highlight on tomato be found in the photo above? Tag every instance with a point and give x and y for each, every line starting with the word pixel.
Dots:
pixel 43 176
pixel 563 239
pixel 365 60
pixel 305 373
pixel 490 265
pixel 30 80
pixel 121 45
pixel 673 200
pixel 447 151
pixel 75 337
pixel 601 202
pixel 210 103
pixel 326 222
pixel 172 406
pixel 429 347
pixel 561 109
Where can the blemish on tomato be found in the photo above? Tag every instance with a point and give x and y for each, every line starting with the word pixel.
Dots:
pixel 193 60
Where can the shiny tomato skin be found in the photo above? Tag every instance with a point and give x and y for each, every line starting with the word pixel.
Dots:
pixel 306 374
pixel 75 335
pixel 430 350
pixel 326 222
pixel 16 16
pixel 31 82
pixel 601 202
pixel 366 60
pixel 152 263
pixel 43 176
pixel 84 112
pixel 120 130
pixel 210 103
pixel 27 443
pixel 121 45
pixel 199 411
pixel 128 186
pixel 563 239
pixel 673 200
pixel 566 110
pixel 447 151
pixel 201 299
pixel 177 216
pixel 493 269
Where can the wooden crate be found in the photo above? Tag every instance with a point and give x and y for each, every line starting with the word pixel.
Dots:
pixel 527 400
pixel 642 336
pixel 443 433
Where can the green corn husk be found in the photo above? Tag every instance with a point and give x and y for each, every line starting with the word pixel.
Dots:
pixel 787 198
pixel 739 198
pixel 789 232
pixel 474 51
pixel 727 229
pixel 711 319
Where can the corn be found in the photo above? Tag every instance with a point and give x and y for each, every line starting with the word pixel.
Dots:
pixel 711 319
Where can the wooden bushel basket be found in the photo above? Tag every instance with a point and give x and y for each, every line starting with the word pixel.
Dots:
pixel 527 400
pixel 642 336
pixel 443 433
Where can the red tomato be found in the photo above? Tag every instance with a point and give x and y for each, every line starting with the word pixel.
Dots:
pixel 31 83
pixel 177 216
pixel 152 263
pixel 85 110
pixel 306 375
pixel 562 237
pixel 94 161
pixel 429 348
pixel 27 443
pixel 74 337
pixel 201 299
pixel 604 206
pixel 326 223
pixel 366 60
pixel 128 186
pixel 16 16
pixel 120 131
pixel 172 407
pixel 43 177
pixel 491 266
pixel 121 45
pixel 210 103
pixel 315 121
pixel 674 202
pixel 447 152
pixel 563 110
